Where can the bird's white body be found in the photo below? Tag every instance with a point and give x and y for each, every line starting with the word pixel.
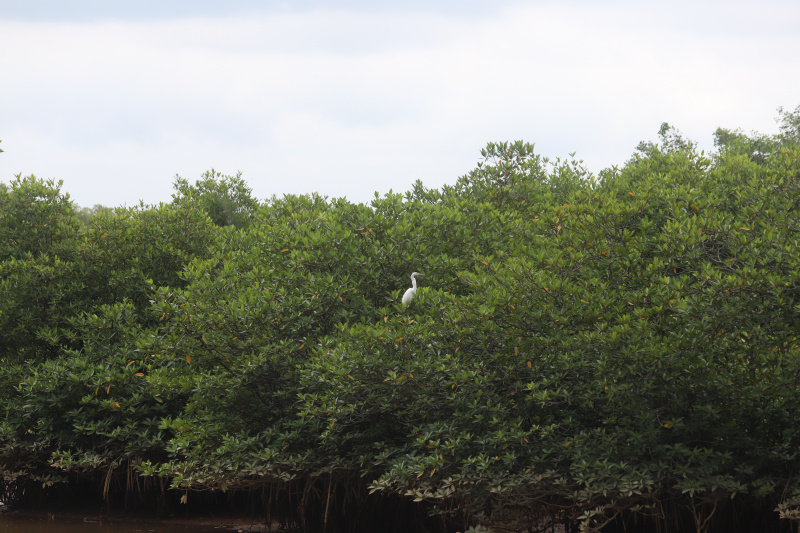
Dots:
pixel 409 294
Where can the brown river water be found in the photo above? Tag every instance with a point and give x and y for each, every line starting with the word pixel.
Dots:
pixel 25 524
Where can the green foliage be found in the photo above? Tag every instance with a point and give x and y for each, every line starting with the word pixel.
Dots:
pixel 73 342
pixel 86 214
pixel 39 237
pixel 226 200
pixel 579 347
pixel 757 146
pixel 126 252
pixel 35 219
pixel 672 141
pixel 115 258
pixel 511 177
pixel 91 409
pixel 36 296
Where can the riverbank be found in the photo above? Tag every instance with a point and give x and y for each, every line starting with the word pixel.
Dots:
pixel 75 520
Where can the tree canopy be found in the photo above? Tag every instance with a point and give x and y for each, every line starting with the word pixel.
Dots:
pixel 585 349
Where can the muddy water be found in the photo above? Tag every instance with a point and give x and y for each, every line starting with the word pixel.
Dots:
pixel 12 524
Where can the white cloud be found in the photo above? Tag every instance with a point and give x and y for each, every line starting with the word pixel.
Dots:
pixel 346 103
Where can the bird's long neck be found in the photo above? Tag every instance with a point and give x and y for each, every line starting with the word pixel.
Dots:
pixel 413 282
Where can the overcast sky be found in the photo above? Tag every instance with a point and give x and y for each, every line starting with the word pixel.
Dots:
pixel 348 98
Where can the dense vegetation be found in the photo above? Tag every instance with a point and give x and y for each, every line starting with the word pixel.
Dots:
pixel 610 351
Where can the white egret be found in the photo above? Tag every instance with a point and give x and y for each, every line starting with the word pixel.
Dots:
pixel 410 292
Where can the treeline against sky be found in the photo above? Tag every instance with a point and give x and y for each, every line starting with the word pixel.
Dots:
pixel 619 350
